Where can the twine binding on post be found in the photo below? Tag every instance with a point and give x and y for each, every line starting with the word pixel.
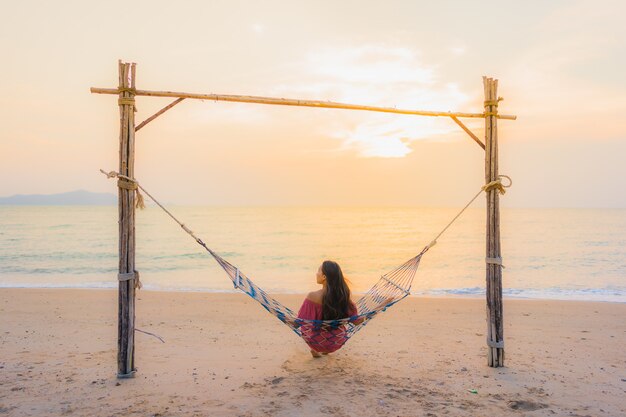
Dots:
pixel 494 344
pixel 133 91
pixel 494 261
pixel 497 185
pixel 127 184
pixel 494 104
pixel 125 276
pixel 130 275
pixel 127 100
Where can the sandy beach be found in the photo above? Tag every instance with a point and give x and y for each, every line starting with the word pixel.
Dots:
pixel 224 355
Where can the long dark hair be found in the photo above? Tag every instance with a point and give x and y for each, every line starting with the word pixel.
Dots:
pixel 336 299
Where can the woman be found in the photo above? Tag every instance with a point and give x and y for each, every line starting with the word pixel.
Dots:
pixel 331 302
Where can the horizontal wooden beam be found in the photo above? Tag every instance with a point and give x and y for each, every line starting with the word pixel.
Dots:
pixel 295 102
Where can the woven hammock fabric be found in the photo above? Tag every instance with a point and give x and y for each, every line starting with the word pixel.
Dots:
pixel 330 335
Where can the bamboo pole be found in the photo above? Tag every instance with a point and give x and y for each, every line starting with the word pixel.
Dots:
pixel 469 132
pixel 157 114
pixel 495 328
pixel 296 102
pixel 126 299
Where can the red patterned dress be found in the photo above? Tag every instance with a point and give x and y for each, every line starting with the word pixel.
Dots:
pixel 322 338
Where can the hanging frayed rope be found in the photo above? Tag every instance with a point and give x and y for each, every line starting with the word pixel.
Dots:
pixel 150 334
pixel 127 184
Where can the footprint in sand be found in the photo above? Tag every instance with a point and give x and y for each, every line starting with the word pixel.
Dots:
pixel 325 409
pixel 526 405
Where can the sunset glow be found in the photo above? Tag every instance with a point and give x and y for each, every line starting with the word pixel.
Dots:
pixel 203 203
pixel 546 61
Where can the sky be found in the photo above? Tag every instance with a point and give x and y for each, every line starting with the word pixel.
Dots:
pixel 560 66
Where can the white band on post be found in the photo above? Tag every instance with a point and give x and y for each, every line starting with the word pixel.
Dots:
pixel 494 261
pixel 493 344
pixel 127 276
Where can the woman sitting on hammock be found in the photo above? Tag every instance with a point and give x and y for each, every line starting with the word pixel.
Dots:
pixel 331 302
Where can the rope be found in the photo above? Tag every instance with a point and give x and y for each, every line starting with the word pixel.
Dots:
pixel 113 174
pixel 494 261
pixel 130 184
pixel 126 100
pixel 497 185
pixel 150 334
pixel 494 344
pixel 494 104
pixel 493 185
pixel 127 185
pixel 320 335
pixel 131 275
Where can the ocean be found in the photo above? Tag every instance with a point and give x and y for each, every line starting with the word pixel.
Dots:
pixel 570 254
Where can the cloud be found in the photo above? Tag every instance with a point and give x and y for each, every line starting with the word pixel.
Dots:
pixel 374 64
pixel 380 75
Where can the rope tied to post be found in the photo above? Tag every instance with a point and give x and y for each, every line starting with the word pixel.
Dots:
pixel 127 183
pixel 137 187
pixel 494 104
pixel 127 90
pixel 130 275
pixel 496 184
pixel 127 100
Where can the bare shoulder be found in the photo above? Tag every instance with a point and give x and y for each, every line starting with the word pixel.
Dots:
pixel 315 296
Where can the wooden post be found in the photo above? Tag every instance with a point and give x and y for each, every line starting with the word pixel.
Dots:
pixel 126 199
pixel 495 328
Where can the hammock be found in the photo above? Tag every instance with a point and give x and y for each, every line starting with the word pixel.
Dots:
pixel 330 335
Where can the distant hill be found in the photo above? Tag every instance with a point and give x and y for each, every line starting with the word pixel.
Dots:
pixel 72 198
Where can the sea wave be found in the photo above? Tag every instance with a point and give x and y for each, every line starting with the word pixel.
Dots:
pixel 607 294
pixel 611 293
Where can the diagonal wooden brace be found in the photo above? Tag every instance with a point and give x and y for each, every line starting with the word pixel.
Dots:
pixel 469 132
pixel 157 114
